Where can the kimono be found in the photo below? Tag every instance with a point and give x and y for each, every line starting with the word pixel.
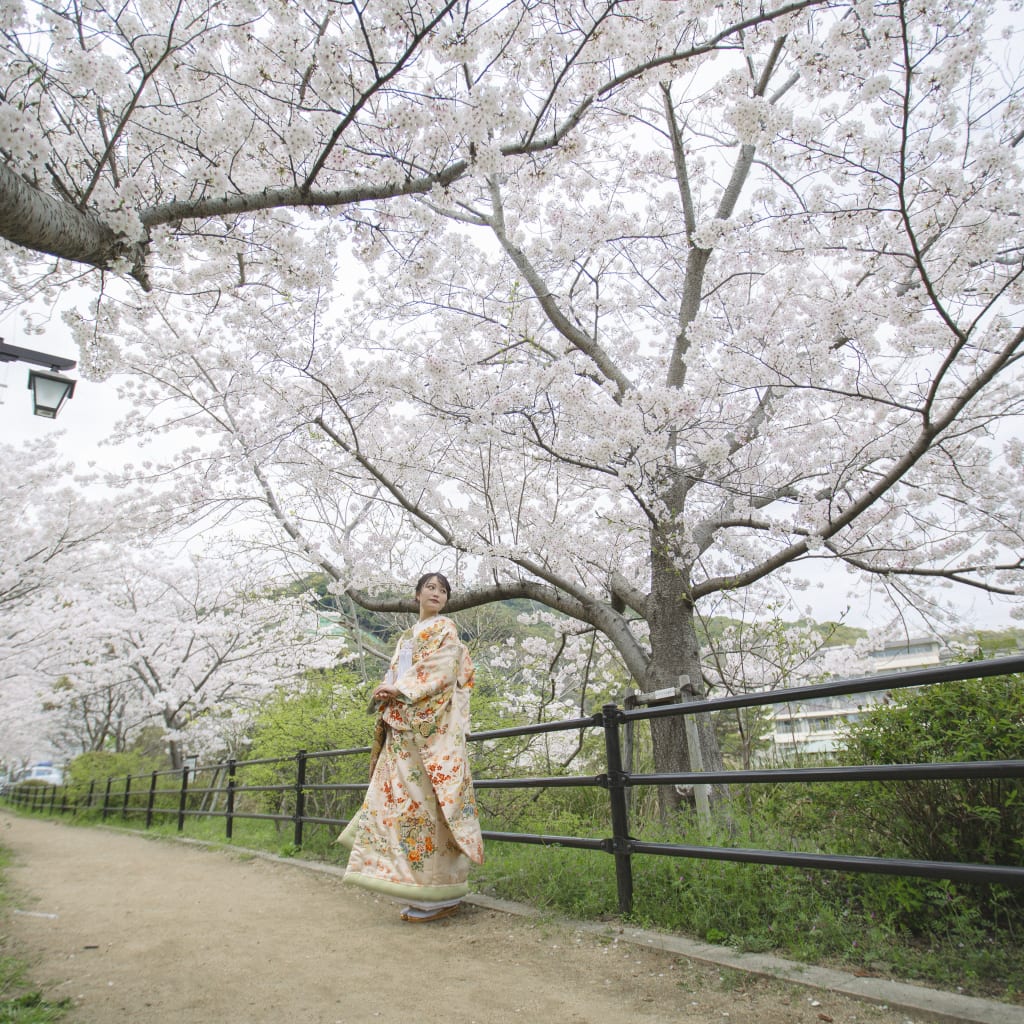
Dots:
pixel 417 831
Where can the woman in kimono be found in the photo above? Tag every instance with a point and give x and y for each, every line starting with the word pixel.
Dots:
pixel 417 831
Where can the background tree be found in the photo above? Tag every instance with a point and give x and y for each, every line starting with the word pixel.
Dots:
pixel 53 530
pixel 760 652
pixel 102 717
pixel 190 645
pixel 58 528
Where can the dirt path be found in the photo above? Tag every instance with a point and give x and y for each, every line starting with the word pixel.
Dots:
pixel 148 931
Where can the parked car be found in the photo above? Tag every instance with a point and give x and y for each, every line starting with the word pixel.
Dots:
pixel 42 773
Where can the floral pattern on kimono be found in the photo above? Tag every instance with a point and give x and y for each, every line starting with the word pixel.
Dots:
pixel 417 830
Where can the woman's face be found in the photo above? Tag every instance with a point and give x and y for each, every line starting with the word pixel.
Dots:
pixel 432 597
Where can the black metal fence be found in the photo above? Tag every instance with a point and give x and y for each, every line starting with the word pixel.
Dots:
pixel 294 781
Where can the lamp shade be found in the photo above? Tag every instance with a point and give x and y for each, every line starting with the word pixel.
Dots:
pixel 49 392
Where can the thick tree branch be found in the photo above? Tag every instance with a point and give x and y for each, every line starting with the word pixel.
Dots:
pixel 599 615
pixel 961 574
pixel 37 221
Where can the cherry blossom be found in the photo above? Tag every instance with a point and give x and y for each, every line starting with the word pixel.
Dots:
pixel 624 309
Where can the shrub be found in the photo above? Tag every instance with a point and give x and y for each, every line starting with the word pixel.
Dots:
pixel 99 765
pixel 946 819
pixel 327 712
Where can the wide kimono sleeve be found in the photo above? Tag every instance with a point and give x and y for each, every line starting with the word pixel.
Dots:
pixel 433 710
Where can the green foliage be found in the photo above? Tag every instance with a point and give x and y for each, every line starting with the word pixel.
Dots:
pixel 151 740
pixel 979 820
pixel 328 711
pixel 99 765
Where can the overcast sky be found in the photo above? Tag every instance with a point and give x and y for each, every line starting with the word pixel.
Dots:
pixel 86 420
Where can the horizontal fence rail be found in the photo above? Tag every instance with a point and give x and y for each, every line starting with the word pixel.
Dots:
pixel 178 795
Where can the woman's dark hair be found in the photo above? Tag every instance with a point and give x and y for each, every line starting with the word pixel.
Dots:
pixel 440 577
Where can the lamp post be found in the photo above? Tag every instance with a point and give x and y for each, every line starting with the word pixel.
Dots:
pixel 49 390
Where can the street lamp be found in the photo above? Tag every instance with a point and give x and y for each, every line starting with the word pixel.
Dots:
pixel 49 390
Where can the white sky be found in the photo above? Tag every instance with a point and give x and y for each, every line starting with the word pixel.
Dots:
pixel 86 420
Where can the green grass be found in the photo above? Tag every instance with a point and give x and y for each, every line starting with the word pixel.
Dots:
pixel 255 834
pixel 20 1003
pixel 29 1007
pixel 848 921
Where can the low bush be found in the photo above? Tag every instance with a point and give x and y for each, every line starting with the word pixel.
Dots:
pixel 977 820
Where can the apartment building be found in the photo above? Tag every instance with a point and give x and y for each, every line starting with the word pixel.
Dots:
pixel 815 727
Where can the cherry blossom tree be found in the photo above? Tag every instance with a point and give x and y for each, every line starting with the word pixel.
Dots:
pixel 54 532
pixel 58 528
pixel 714 295
pixel 96 643
pixel 52 528
pixel 190 646
pixel 135 135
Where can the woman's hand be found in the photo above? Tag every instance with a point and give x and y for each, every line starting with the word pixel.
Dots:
pixel 385 692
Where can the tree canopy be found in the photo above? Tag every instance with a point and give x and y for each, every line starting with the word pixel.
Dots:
pixel 631 309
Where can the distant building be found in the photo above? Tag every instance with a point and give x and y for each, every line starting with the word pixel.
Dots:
pixel 816 726
pixel 903 655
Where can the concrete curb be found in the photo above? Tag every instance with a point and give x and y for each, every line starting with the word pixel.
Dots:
pixel 934 1003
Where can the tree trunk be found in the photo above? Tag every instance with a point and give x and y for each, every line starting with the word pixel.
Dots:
pixel 174 747
pixel 675 653
pixel 175 753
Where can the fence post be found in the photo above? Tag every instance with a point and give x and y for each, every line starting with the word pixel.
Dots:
pixel 127 796
pixel 106 796
pixel 611 717
pixel 150 800
pixel 229 814
pixel 700 790
pixel 92 790
pixel 182 798
pixel 300 794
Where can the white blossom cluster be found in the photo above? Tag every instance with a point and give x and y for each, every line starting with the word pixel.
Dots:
pixel 626 312
pixel 99 641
